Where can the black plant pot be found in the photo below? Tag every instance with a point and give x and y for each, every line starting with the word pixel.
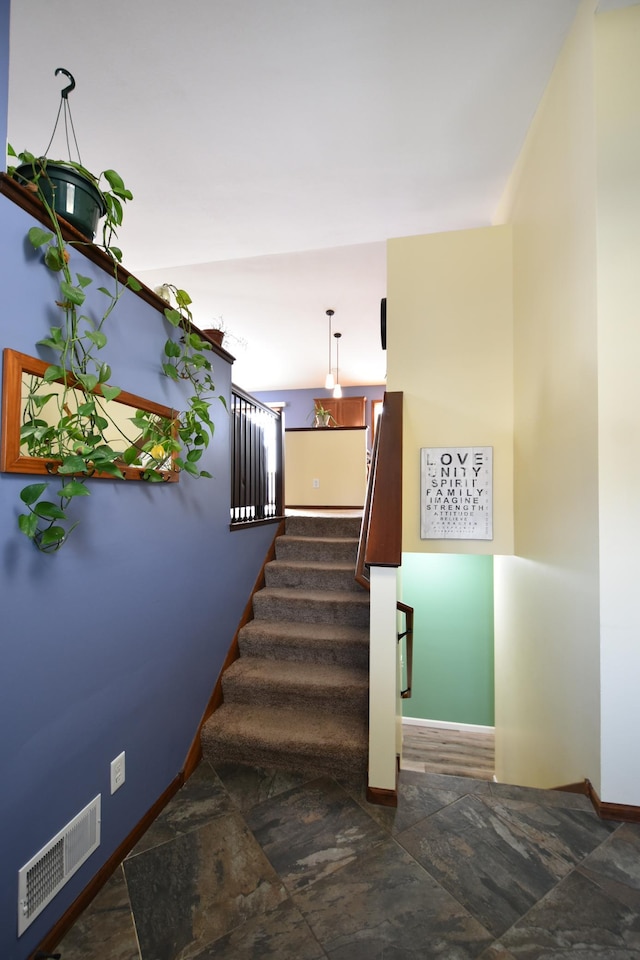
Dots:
pixel 71 195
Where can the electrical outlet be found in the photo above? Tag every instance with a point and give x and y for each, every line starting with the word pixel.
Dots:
pixel 117 772
pixel 315 484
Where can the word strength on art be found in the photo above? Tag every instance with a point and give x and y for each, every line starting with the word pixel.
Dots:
pixel 456 493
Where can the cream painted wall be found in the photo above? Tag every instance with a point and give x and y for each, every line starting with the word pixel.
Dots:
pixel 546 597
pixel 618 83
pixel 335 458
pixel 449 337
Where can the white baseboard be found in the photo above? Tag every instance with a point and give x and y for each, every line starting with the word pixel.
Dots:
pixel 447 725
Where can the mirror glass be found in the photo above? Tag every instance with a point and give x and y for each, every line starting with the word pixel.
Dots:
pixel 33 408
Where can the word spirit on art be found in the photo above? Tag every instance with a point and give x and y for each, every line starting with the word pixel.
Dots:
pixel 456 493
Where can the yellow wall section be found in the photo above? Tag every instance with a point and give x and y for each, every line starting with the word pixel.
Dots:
pixel 618 83
pixel 450 351
pixel 546 598
pixel 337 459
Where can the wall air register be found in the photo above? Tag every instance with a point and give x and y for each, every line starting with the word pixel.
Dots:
pixel 47 872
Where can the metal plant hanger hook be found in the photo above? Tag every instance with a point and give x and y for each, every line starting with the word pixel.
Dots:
pixel 67 90
pixel 68 120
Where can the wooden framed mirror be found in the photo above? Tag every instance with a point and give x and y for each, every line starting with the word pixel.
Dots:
pixel 24 390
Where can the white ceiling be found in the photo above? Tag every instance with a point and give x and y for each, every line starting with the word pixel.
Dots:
pixel 274 145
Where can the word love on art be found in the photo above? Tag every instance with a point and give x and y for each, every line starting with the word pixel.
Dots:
pixel 456 493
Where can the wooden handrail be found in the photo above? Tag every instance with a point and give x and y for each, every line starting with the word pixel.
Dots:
pixel 381 533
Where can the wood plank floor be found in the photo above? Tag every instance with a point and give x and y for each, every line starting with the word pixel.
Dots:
pixel 453 752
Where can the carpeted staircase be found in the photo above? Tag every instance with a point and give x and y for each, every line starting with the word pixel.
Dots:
pixel 298 696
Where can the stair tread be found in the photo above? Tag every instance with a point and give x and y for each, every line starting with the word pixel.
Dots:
pixel 319 565
pixel 299 538
pixel 305 594
pixel 303 630
pixel 327 676
pixel 288 728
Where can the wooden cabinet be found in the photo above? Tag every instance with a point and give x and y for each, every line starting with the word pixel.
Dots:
pixel 346 411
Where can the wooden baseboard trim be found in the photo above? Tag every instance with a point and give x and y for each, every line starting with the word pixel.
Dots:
pixel 580 787
pixel 625 812
pixel 80 904
pixel 381 797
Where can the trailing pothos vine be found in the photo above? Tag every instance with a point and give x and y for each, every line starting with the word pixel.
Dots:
pixel 65 422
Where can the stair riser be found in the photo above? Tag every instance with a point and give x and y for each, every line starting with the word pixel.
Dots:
pixel 310 578
pixel 324 526
pixel 346 655
pixel 305 548
pixel 351 703
pixel 341 764
pixel 305 610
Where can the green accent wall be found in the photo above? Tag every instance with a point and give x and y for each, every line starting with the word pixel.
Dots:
pixel 452 596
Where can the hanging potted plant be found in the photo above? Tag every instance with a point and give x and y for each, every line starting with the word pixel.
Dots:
pixel 75 442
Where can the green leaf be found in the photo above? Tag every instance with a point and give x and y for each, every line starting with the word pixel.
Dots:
pixel 194 341
pixel 104 373
pixel 172 349
pixel 110 393
pixel 49 511
pixel 131 455
pixel 28 524
pixel 73 294
pixel 53 259
pixel 73 489
pixel 116 253
pixel 53 373
pixel 134 284
pixel 38 236
pixel 191 468
pixel 111 469
pixel 72 464
pixel 31 493
pixel 172 316
pixel 117 185
pixel 87 409
pixel 205 473
pixel 88 381
pixel 97 337
pixel 52 344
pixel 103 453
pixel 182 298
pixel 153 476
pixel 170 371
pixel 194 455
pixel 106 292
pixel 115 209
pixel 83 281
pixel 52 535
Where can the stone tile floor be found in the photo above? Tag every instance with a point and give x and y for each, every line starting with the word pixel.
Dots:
pixel 247 863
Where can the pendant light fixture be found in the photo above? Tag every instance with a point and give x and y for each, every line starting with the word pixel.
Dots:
pixel 329 382
pixel 337 390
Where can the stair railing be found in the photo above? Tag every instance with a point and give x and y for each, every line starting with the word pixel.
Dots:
pixel 381 533
pixel 257 476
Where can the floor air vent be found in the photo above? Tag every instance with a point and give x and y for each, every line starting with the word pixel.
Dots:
pixel 48 871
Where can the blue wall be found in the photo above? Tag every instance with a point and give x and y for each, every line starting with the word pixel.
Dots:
pixel 299 403
pixel 115 642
